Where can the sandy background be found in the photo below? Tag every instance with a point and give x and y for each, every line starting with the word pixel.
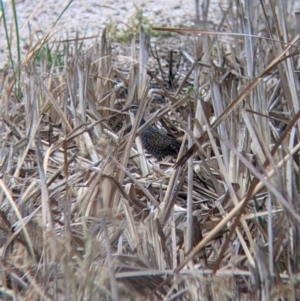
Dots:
pixel 93 15
pixel 89 17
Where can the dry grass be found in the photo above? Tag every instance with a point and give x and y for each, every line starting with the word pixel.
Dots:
pixel 85 215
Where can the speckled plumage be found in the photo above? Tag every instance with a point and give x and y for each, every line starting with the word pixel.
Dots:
pixel 158 143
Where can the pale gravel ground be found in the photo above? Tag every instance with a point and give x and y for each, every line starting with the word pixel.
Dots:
pixel 89 17
pixel 93 14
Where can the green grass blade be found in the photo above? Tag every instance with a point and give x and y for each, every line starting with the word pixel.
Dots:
pixel 17 30
pixel 54 24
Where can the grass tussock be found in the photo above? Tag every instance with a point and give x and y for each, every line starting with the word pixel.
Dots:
pixel 86 215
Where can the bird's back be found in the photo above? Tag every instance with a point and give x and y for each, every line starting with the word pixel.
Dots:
pixel 158 143
pixel 155 141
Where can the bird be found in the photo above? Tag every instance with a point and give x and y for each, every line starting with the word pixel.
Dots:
pixel 155 141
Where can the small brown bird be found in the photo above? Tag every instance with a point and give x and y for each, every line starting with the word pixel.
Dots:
pixel 158 143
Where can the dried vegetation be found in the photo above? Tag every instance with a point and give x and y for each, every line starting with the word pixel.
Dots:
pixel 86 215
